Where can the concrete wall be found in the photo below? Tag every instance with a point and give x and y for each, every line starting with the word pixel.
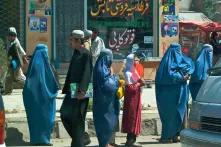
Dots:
pixel 185 5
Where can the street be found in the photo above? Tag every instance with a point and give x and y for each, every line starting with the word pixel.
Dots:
pixel 145 141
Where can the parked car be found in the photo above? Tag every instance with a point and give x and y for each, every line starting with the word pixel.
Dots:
pixel 2 123
pixel 205 115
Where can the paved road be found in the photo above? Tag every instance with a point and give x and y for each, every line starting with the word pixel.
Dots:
pixel 145 141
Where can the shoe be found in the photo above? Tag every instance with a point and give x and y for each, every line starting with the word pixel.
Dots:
pixel 176 139
pixel 87 139
pixel 129 143
pixel 114 144
pixel 133 145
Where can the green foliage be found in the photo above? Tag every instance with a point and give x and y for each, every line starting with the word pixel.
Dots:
pixel 3 62
pixel 209 8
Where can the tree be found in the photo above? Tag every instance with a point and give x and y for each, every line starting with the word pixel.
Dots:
pixel 209 8
pixel 204 6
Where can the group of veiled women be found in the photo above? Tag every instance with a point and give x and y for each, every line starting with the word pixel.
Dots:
pixel 41 88
pixel 172 94
pixel 172 88
pixel 106 104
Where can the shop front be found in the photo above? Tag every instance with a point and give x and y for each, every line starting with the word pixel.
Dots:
pixel 144 27
pixel 195 31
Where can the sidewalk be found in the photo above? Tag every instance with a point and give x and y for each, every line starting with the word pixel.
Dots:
pixel 17 127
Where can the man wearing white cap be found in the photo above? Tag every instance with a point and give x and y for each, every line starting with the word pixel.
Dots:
pixel 97 45
pixel 74 107
pixel 16 55
pixel 87 39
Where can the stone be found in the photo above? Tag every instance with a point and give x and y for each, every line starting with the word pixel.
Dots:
pixel 158 127
pixel 148 127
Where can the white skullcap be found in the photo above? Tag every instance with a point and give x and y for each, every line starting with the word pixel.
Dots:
pixel 77 34
pixel 88 33
pixel 12 30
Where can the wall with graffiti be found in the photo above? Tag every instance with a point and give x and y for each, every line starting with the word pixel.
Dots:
pixel 169 24
pixel 123 24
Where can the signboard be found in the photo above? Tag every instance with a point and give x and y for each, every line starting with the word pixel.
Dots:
pixel 116 8
pixel 122 24
pixel 169 24
pixel 38 24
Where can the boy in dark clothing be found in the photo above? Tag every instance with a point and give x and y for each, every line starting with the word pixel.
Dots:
pixel 17 57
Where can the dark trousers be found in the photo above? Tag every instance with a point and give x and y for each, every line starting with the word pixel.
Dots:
pixel 73 113
pixel 131 139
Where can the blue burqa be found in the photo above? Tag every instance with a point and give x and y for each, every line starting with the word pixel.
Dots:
pixel 39 95
pixel 203 63
pixel 172 91
pixel 105 102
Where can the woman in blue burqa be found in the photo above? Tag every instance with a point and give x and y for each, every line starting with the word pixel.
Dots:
pixel 39 95
pixel 172 92
pixel 105 102
pixel 203 63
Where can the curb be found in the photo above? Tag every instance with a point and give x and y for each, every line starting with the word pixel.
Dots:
pixel 17 127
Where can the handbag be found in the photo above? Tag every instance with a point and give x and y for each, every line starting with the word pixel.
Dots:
pixel 121 89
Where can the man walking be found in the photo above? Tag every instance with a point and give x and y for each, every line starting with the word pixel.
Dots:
pixel 74 107
pixel 87 39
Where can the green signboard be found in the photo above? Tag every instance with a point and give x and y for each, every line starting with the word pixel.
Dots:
pixel 123 24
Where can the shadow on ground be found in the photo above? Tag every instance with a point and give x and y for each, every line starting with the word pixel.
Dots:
pixel 15 138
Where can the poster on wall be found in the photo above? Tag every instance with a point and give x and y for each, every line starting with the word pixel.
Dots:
pixel 168 7
pixel 43 25
pixel 34 24
pixel 39 6
pixel 48 10
pixel 170 18
pixel 169 24
pixel 38 24
pixel 169 29
pixel 32 6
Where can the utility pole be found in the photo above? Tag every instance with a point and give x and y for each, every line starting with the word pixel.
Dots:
pixel 85 14
pixel 156 28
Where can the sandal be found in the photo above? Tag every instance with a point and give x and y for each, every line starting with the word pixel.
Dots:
pixel 176 139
